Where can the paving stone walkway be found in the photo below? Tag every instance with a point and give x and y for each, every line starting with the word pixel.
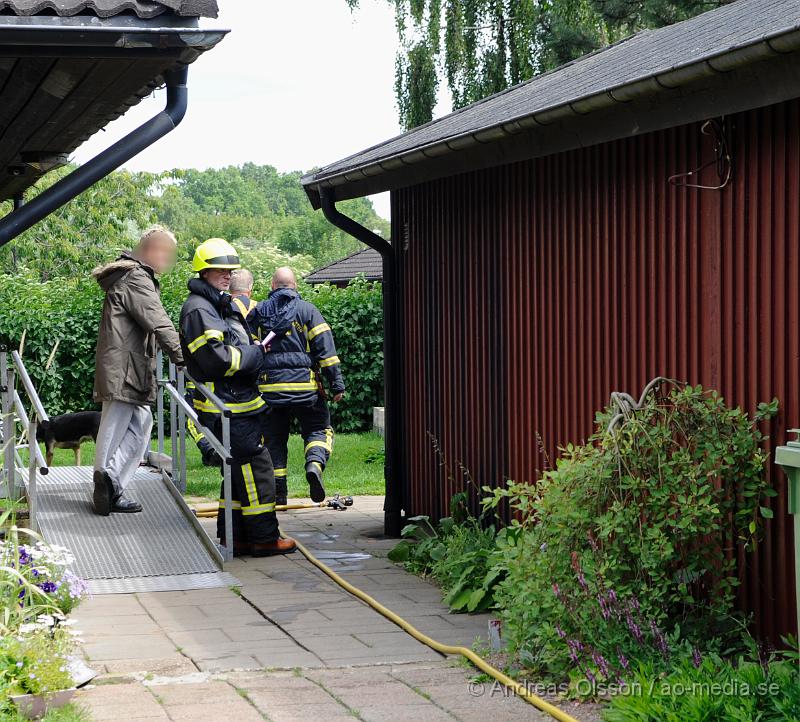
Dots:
pixel 290 644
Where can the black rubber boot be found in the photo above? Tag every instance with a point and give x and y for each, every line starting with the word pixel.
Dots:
pixel 281 491
pixel 314 479
pixel 103 495
pixel 125 506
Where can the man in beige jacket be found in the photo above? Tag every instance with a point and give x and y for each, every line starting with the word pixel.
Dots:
pixel 134 324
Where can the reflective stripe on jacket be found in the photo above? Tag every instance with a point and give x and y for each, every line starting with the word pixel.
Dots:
pixel 219 350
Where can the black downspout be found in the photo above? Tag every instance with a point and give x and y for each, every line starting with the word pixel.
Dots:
pixel 393 504
pixel 23 217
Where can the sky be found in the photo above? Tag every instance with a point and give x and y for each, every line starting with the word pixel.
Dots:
pixel 296 84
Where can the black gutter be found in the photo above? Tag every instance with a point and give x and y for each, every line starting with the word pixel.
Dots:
pixel 393 502
pixel 22 218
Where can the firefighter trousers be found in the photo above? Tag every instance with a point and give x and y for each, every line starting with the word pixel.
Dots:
pixel 252 481
pixel 315 428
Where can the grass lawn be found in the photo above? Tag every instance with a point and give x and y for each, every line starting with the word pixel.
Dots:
pixel 348 471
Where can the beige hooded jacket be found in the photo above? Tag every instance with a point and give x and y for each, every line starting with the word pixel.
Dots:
pixel 133 324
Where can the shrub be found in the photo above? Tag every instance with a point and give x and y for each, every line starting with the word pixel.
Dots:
pixel 655 511
pixel 463 557
pixel 711 689
pixel 58 321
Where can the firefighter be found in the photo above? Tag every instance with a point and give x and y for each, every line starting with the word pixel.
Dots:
pixel 241 290
pixel 302 349
pixel 220 353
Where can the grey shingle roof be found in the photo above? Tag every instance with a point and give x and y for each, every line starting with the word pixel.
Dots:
pixel 649 60
pixel 110 8
pixel 367 263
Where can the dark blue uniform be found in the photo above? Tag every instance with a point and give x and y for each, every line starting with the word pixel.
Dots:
pixel 299 357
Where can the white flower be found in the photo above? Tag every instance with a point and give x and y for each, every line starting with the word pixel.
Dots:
pixel 46 619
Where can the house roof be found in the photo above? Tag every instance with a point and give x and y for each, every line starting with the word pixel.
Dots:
pixel 69 71
pixel 648 64
pixel 367 263
pixel 110 8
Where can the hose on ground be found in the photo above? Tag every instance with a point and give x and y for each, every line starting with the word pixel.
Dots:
pixel 478 661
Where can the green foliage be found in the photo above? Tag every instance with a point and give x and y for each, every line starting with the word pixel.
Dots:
pixel 355 314
pixel 713 689
pixel 35 663
pixel 99 223
pixel 255 207
pixel 67 312
pixel 36 592
pixel 656 511
pixel 484 46
pixel 462 557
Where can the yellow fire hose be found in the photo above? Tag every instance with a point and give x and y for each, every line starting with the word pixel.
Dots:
pixel 479 662
pixel 208 510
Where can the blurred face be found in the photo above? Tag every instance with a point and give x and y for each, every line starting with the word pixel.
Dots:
pixel 219 278
pixel 159 253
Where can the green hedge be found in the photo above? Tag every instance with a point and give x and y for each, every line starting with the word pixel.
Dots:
pixel 69 313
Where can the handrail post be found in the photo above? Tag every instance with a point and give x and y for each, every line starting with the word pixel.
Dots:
pixel 184 479
pixel 9 438
pixel 160 402
pixel 226 487
pixel 33 504
pixel 173 431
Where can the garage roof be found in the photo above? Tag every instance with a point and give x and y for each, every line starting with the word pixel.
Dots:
pixel 555 111
pixel 69 67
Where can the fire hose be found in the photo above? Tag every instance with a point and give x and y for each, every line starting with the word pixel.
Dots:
pixel 341 504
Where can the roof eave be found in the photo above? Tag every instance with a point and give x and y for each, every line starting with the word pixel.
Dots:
pixel 390 172
pixel 89 35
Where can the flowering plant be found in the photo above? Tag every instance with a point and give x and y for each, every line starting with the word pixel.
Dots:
pixel 35 660
pixel 37 591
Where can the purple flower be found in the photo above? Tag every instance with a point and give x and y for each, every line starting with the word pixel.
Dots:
pixel 49 587
pixel 660 640
pixel 603 606
pixel 582 581
pixel 601 663
pixel 697 659
pixel 623 662
pixel 77 586
pixel 561 633
pixel 24 557
pixel 634 629
pixel 557 591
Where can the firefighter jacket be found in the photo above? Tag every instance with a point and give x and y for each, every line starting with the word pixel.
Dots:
pixel 302 349
pixel 219 350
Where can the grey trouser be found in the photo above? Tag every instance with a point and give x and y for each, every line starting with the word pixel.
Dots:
pixel 123 438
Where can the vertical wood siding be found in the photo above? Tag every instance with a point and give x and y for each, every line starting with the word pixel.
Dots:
pixel 532 291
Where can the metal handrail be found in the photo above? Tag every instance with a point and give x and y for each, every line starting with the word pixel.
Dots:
pixel 30 389
pixel 12 410
pixel 26 422
pixel 173 385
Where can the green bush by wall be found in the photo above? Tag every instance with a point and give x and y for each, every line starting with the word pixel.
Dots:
pixel 68 313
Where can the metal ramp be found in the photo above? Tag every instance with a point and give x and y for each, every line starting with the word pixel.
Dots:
pixel 163 548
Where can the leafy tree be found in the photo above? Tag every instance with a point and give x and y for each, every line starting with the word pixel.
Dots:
pixel 86 231
pixel 481 47
pixel 254 206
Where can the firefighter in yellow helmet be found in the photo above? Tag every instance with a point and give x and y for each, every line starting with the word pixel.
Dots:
pixel 220 352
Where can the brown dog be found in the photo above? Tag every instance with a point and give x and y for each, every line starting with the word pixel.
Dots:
pixel 68 431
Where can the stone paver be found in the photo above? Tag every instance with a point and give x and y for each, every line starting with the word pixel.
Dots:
pixel 290 645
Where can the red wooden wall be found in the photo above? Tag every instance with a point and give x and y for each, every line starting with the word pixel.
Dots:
pixel 533 290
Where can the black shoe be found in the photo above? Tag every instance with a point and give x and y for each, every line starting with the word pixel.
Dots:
pixel 314 478
pixel 103 495
pixel 126 506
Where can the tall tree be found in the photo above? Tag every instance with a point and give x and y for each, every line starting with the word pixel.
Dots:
pixel 480 47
